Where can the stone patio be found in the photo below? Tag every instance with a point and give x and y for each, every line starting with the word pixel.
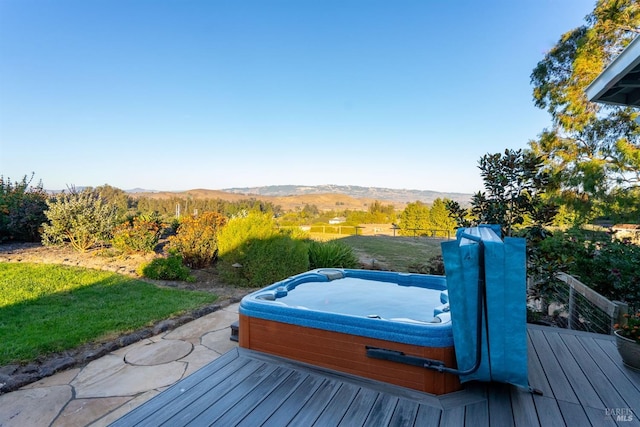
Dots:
pixel 107 388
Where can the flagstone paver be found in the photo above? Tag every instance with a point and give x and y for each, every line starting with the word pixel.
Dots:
pixel 111 376
pixel 108 388
pixel 80 412
pixel 33 407
pixel 158 353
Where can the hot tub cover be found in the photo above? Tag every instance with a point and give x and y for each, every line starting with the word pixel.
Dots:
pixel 503 265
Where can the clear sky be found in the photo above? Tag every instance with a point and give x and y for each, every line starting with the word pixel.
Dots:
pixel 183 94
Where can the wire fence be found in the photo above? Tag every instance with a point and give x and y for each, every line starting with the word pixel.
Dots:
pixel 569 303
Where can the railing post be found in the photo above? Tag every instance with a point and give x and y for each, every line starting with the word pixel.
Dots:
pixel 572 308
pixel 621 309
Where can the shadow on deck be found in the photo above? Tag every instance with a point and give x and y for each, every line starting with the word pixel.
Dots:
pixel 580 374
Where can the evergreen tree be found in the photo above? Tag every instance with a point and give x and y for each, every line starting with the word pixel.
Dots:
pixel 592 151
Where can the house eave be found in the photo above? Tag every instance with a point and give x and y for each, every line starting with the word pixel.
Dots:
pixel 619 83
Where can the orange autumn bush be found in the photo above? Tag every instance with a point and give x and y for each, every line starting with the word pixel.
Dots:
pixel 196 239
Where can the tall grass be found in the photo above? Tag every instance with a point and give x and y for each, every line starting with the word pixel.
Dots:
pixel 331 254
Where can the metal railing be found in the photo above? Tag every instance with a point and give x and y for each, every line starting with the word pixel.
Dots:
pixel 576 306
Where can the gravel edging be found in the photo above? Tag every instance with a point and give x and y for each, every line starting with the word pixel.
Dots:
pixel 13 377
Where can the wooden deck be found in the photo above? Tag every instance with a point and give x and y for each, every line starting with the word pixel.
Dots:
pixel 580 374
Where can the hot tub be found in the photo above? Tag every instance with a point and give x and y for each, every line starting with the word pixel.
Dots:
pixel 330 317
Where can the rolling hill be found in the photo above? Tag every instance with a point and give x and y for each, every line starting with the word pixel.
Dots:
pixel 325 197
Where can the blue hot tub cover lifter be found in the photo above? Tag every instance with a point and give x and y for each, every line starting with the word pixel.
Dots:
pixel 479 253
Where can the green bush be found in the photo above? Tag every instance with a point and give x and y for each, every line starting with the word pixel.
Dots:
pixel 331 254
pixel 241 229
pixel 139 234
pixel 610 267
pixel 21 210
pixel 254 253
pixel 82 219
pixel 197 239
pixel 270 260
pixel 170 268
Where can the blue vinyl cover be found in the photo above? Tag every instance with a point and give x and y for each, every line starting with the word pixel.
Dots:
pixel 504 340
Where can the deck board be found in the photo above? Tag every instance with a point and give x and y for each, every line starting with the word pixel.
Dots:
pixel 232 408
pixel 525 415
pixel 428 416
pixel 552 367
pixel 452 417
pixel 360 408
pixel 548 411
pixel 477 414
pixel 335 410
pixel 576 377
pixel 312 408
pixel 537 376
pixel 499 402
pixel 580 374
pixel 382 410
pixel 609 348
pixel 404 414
pixel 269 409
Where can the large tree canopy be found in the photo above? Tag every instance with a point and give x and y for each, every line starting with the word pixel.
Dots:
pixel 592 151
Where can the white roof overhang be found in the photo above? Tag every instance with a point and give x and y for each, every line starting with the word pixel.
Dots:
pixel 619 83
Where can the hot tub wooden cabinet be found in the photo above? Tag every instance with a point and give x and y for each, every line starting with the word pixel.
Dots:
pixel 330 317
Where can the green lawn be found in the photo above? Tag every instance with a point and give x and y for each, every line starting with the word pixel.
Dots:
pixel 50 308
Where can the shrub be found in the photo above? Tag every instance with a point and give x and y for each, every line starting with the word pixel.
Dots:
pixel 170 268
pixel 197 239
pixel 81 219
pixel 254 253
pixel 331 254
pixel 243 228
pixel 139 234
pixel 434 266
pixel 21 209
pixel 273 259
pixel 610 267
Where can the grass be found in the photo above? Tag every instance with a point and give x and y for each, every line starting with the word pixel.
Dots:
pixel 50 308
pixel 395 253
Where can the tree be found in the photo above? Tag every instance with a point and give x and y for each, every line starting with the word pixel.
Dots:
pixel 514 185
pixel 115 197
pixel 439 218
pixel 310 211
pixel 379 213
pixel 414 217
pixel 592 152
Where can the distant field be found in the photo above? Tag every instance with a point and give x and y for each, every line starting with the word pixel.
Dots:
pixel 323 202
pixel 393 253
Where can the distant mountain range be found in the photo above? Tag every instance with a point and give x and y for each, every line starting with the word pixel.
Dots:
pixel 324 197
pixel 376 193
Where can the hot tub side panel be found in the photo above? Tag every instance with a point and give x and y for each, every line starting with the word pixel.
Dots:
pixel 347 353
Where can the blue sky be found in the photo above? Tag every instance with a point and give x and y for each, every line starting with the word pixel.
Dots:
pixel 175 95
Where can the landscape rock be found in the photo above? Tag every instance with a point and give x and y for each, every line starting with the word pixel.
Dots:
pixel 8 369
pixel 54 365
